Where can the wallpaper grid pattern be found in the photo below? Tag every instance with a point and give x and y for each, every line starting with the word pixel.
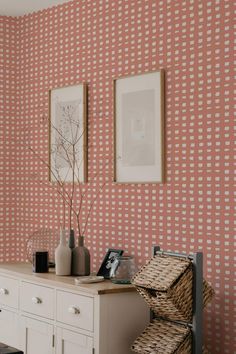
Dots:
pixel 96 42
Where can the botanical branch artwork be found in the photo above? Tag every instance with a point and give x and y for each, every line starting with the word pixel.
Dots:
pixel 68 134
pixel 68 129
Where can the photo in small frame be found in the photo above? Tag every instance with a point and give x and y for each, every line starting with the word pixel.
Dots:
pixel 107 262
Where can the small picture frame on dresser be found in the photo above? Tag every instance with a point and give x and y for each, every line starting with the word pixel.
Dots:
pixel 108 261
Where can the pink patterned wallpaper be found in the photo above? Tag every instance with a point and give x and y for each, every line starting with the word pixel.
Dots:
pixel 95 42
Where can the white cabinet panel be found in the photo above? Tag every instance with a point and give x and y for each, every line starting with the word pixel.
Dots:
pixel 69 342
pixel 36 336
pixel 9 328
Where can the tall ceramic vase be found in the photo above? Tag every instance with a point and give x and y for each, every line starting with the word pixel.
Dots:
pixel 63 256
pixel 80 259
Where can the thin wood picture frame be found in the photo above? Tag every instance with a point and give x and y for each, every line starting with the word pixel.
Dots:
pixel 139 128
pixel 68 134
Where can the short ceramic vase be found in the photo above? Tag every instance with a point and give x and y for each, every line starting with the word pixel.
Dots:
pixel 80 259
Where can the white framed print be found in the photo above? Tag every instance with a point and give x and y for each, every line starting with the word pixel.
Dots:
pixel 139 128
pixel 68 134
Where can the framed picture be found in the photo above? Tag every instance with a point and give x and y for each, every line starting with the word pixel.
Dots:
pixel 68 134
pixel 139 128
pixel 107 262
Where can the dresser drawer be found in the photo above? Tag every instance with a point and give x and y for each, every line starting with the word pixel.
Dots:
pixel 75 310
pixel 37 300
pixel 9 290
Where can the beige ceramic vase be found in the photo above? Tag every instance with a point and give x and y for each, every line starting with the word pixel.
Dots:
pixel 63 256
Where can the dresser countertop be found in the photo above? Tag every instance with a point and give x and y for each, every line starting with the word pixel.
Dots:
pixel 24 271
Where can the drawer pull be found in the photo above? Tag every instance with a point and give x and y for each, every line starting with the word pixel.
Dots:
pixel 36 300
pixel 74 310
pixel 4 291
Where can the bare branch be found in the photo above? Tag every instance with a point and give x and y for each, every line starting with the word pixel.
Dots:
pixel 65 153
pixel 91 207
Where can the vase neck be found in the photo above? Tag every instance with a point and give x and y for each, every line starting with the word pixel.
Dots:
pixel 81 241
pixel 63 237
pixel 72 239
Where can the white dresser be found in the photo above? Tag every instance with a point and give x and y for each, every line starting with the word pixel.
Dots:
pixel 48 314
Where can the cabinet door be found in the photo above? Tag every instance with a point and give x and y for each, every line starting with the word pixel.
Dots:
pixel 68 342
pixel 37 336
pixel 9 328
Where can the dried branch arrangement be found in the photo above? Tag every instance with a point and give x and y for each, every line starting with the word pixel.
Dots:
pixel 68 142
